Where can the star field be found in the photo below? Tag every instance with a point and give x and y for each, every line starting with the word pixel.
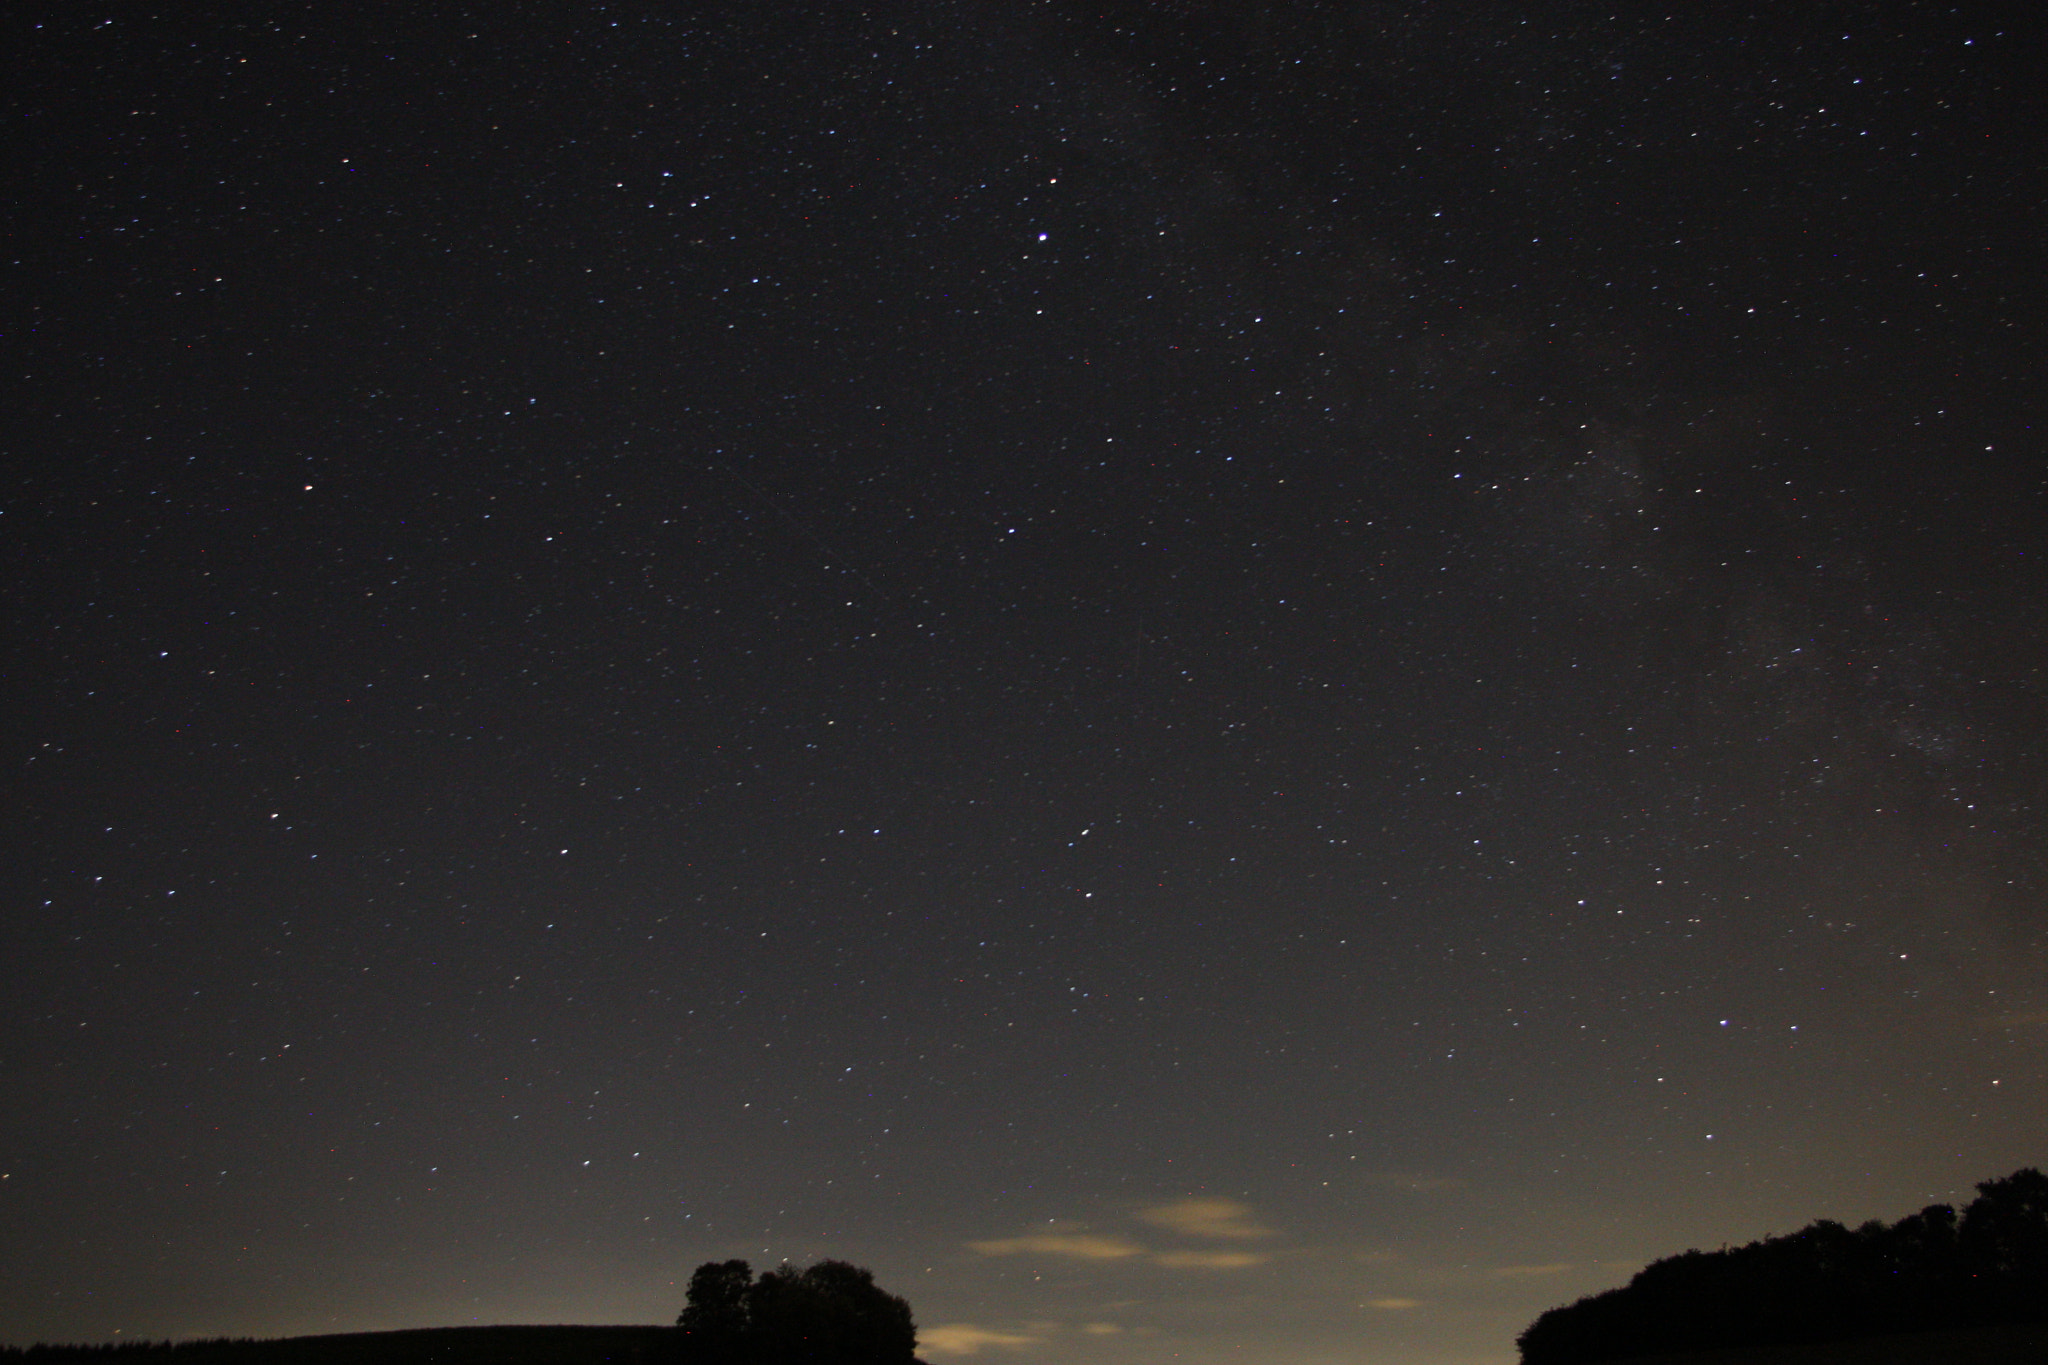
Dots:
pixel 1207 681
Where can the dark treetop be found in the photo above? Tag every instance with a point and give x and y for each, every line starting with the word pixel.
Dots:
pixel 1824 1282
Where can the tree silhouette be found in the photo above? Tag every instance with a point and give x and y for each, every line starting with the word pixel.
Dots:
pixel 831 1313
pixel 2005 1230
pixel 715 1320
pixel 1823 1282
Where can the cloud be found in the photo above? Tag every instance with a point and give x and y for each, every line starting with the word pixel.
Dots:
pixel 1523 1272
pixel 1209 1260
pixel 1102 1329
pixel 965 1339
pixel 1206 1218
pixel 1080 1246
pixel 1221 1219
pixel 1393 1305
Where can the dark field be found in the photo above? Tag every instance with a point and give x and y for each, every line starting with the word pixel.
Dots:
pixel 425 1346
pixel 2013 1344
pixel 2024 1344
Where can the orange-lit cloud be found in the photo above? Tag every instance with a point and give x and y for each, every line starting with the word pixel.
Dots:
pixel 1209 1260
pixel 1080 1246
pixel 1102 1329
pixel 965 1339
pixel 1224 1218
pixel 1393 1305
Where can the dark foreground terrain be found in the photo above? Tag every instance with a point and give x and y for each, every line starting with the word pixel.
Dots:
pixel 1930 1272
pixel 2012 1344
pixel 2021 1344
pixel 424 1346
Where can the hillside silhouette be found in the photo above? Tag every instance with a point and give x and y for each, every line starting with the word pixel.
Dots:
pixel 555 1345
pixel 831 1313
pixel 1930 1271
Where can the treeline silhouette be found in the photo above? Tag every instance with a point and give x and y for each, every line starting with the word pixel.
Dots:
pixel 829 1314
pixel 1826 1282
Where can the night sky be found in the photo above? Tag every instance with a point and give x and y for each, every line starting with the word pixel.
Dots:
pixel 1212 681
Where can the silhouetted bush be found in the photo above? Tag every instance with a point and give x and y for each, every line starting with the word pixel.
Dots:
pixel 1825 1282
pixel 829 1314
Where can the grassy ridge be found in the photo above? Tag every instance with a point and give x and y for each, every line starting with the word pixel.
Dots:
pixel 2017 1344
pixel 419 1346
